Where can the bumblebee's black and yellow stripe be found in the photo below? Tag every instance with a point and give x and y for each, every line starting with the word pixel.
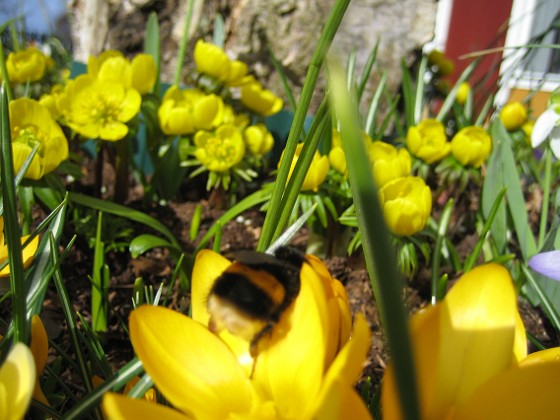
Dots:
pixel 251 295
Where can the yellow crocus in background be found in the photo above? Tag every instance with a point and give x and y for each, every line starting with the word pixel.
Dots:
pixel 406 204
pixel 32 124
pixel 186 111
pixel 388 162
pixel 428 141
pixel 513 115
pixel 258 139
pixel 471 356
pixel 220 150
pixel 463 93
pixel 213 61
pixel 39 347
pixel 17 380
pixel 27 65
pixel 471 146
pixel 317 172
pixel 306 368
pixel 260 100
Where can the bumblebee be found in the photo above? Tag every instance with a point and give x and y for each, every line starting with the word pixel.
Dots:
pixel 251 295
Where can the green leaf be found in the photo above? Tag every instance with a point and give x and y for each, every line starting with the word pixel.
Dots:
pixel 152 47
pixel 145 242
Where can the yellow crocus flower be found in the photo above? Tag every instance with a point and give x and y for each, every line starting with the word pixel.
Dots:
pixel 513 115
pixel 17 379
pixel 32 124
pixel 471 356
pixel 296 375
pixel 406 204
pixel 260 100
pixel 26 66
pixel 428 141
pixel 220 150
pixel 388 162
pixel 471 146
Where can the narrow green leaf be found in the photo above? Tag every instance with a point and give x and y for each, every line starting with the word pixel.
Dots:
pixel 195 222
pixel 143 243
pixel 379 254
pixel 366 72
pixel 450 98
pixel 98 286
pixel 441 235
pixel 152 47
pixel 184 42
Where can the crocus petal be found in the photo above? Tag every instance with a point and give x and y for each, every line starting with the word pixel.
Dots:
pixel 520 339
pixel 119 407
pixel 477 327
pixel 17 379
pixel 547 264
pixel 529 392
pixel 342 402
pixel 39 348
pixel 192 367
pixel 292 359
pixel 543 126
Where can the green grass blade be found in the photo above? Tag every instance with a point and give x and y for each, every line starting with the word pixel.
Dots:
pixel 184 43
pixel 152 47
pixel 450 98
pixel 367 70
pixel 11 225
pixel 374 106
pixel 419 94
pixel 274 213
pixel 123 211
pixel 99 281
pixel 446 214
pixel 387 283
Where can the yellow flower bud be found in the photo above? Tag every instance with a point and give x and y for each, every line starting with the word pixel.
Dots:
pixel 337 160
pixel 144 73
pixel 388 162
pixel 407 204
pixel 471 146
pixel 220 150
pixel 317 170
pixel 528 130
pixel 428 141
pixel 463 93
pixel 444 66
pixel 26 66
pixel 258 139
pixel 94 63
pixel 260 100
pixel 211 60
pixel 513 115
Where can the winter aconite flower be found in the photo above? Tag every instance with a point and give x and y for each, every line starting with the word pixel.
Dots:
pixel 317 171
pixel 32 125
pixel 406 204
pixel 26 66
pixel 428 141
pixel 39 348
pixel 260 100
pixel 258 139
pixel 305 369
pixel 471 146
pixel 513 115
pixel 27 253
pixel 17 380
pixel 213 61
pixel 220 150
pixel 388 162
pixel 471 360
pixel 99 108
pixel 463 93
pixel 185 111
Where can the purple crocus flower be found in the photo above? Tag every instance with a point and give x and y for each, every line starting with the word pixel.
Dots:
pixel 547 263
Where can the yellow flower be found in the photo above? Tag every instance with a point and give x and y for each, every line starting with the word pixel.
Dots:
pixel 26 66
pixel 206 377
pixel 428 141
pixel 220 150
pixel 463 93
pixel 98 108
pixel 260 100
pixel 470 352
pixel 185 111
pixel 258 139
pixel 39 347
pixel 17 379
pixel 527 128
pixel 94 63
pixel 50 100
pixel 27 253
pixel 213 61
pixel 388 162
pixel 317 172
pixel 32 124
pixel 144 73
pixel 337 160
pixel 513 115
pixel 444 66
pixel 407 204
pixel 471 146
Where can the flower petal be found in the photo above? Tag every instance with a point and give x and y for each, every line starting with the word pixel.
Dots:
pixel 518 393
pixel 342 402
pixel 192 367
pixel 119 407
pixel 290 367
pixel 543 126
pixel 547 264
pixel 17 380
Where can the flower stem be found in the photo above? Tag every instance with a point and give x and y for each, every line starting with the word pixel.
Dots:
pixel 546 194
